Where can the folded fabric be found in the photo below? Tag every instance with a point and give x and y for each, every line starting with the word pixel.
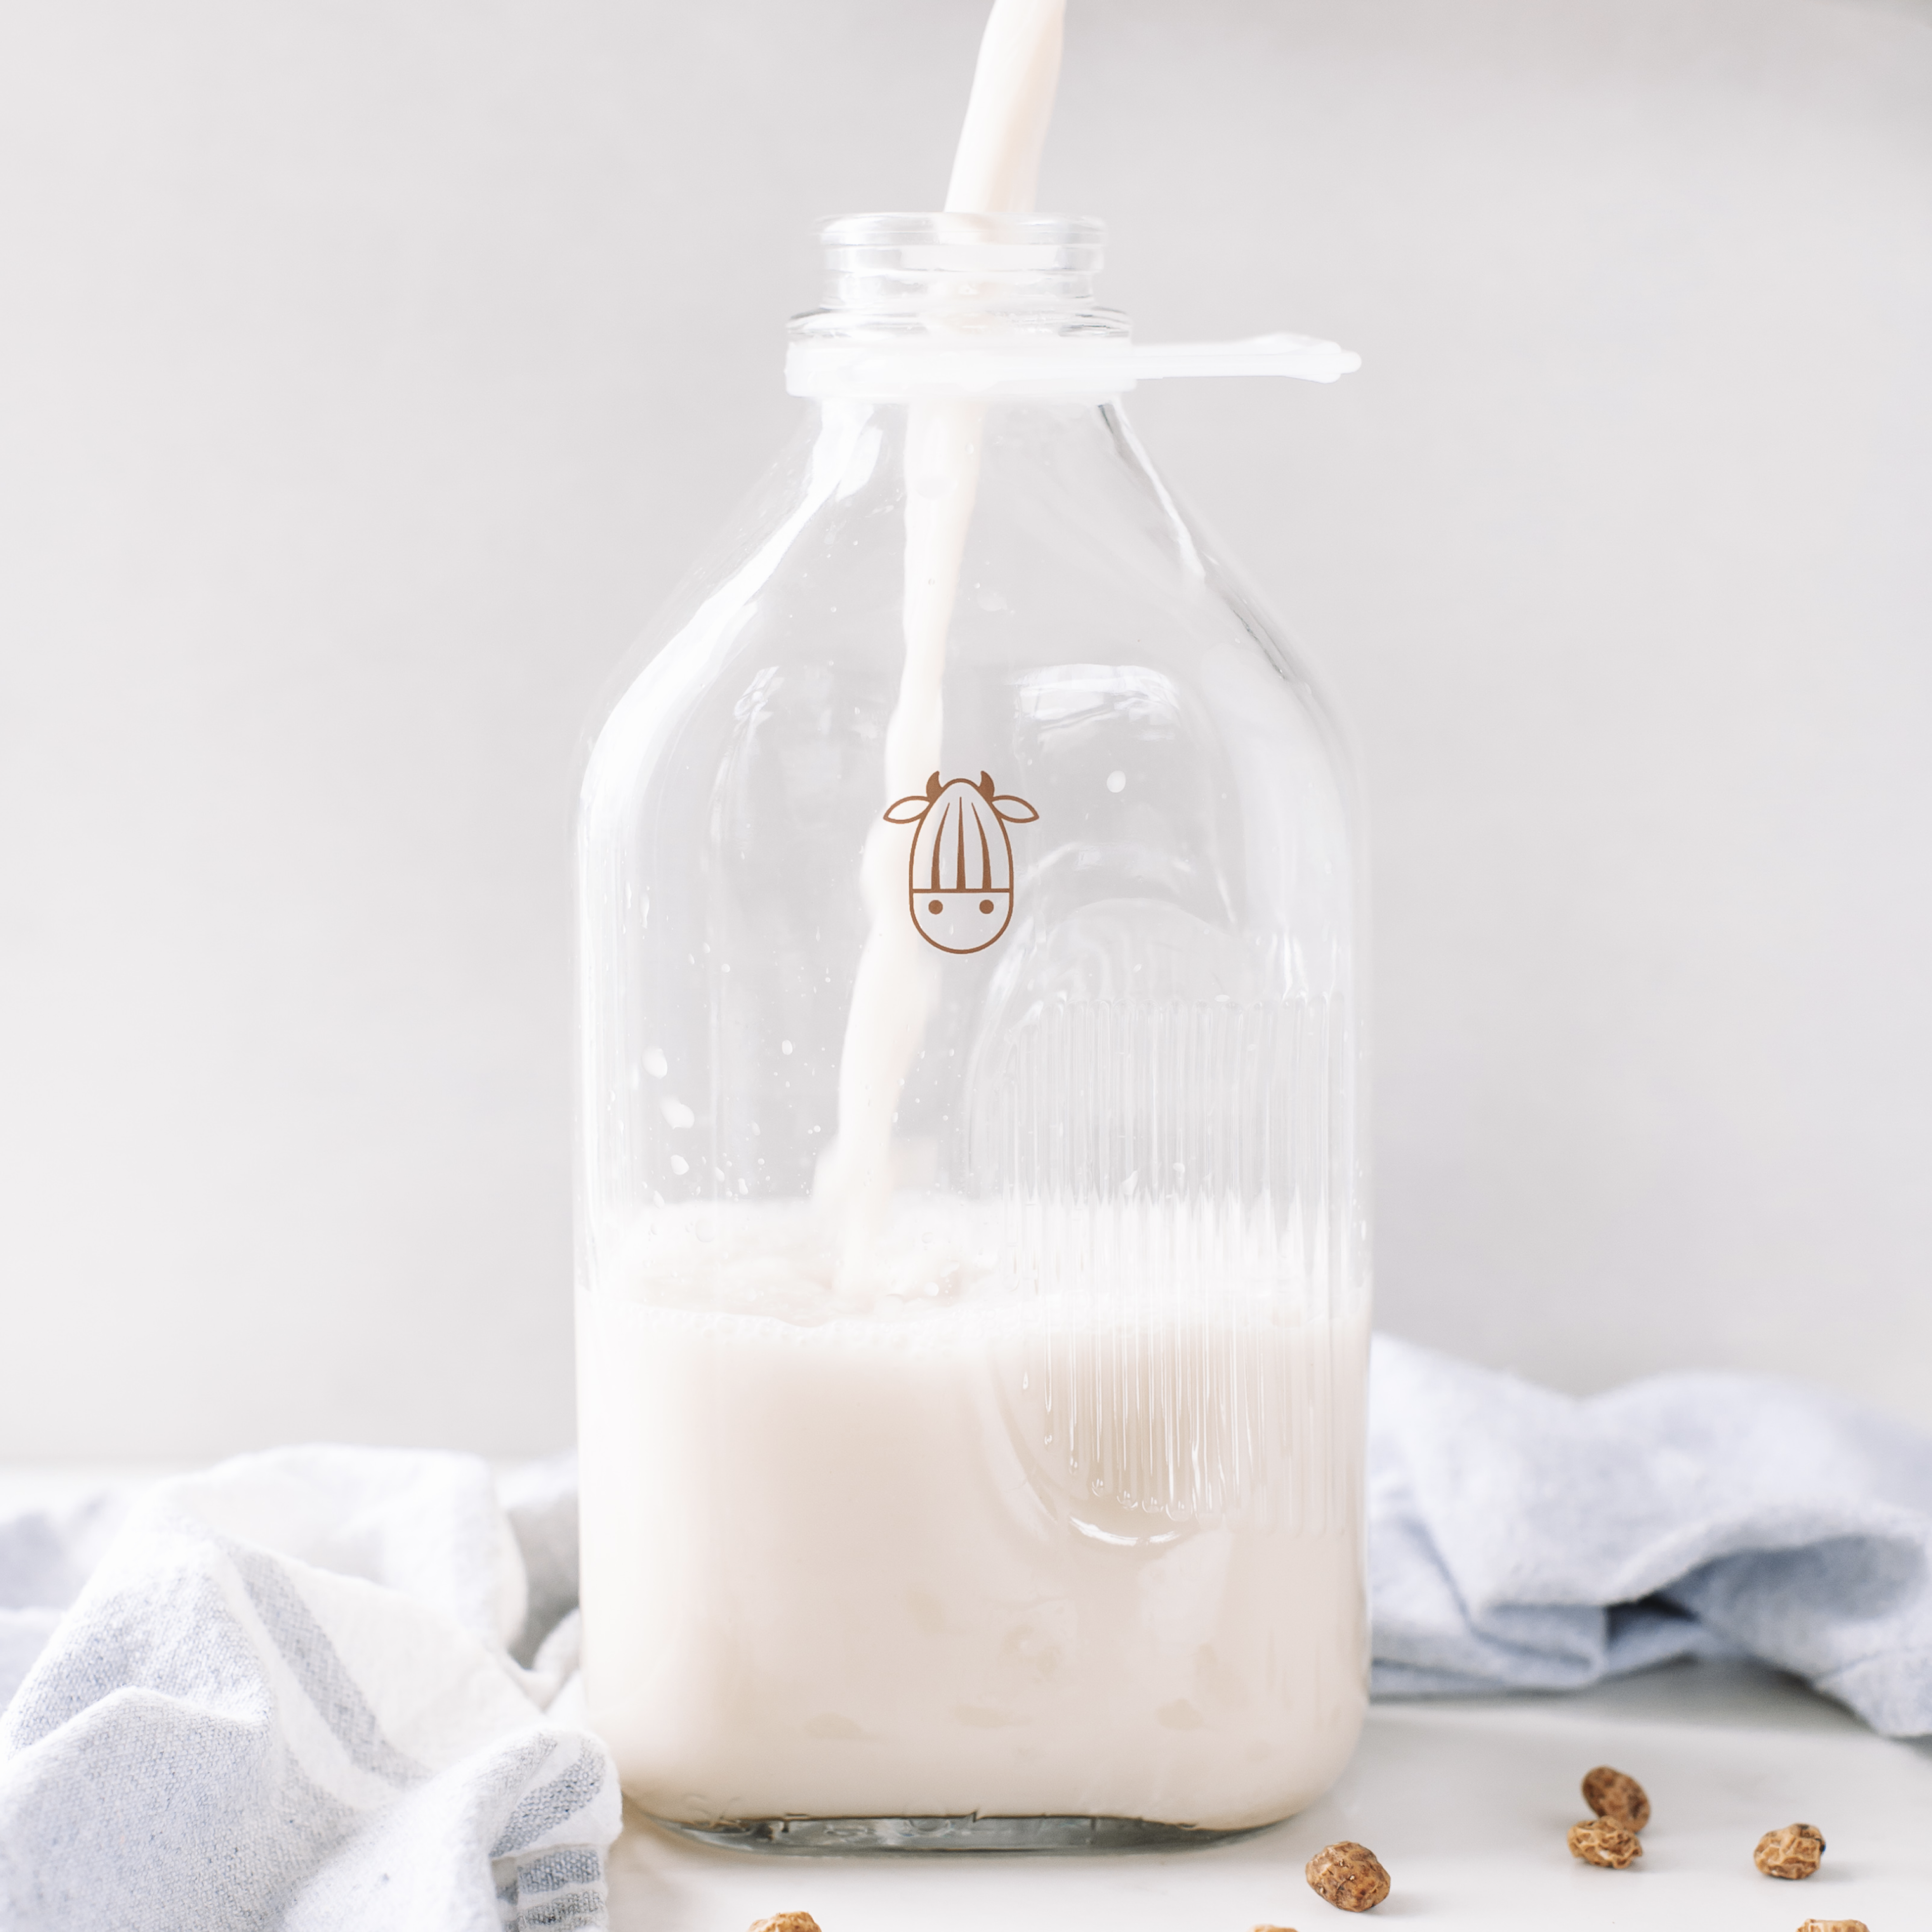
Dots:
pixel 1522 1539
pixel 287 1696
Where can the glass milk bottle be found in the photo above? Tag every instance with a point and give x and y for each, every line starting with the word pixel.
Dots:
pixel 973 1258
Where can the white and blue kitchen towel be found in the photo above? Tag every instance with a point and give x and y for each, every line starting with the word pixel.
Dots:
pixel 315 1689
pixel 1523 1540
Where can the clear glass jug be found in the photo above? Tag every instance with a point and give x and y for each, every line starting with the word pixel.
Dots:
pixel 973 1262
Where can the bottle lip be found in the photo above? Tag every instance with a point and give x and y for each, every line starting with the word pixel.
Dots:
pixel 995 305
pixel 922 244
pixel 917 303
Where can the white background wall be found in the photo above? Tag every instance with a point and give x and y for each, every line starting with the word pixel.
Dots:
pixel 368 371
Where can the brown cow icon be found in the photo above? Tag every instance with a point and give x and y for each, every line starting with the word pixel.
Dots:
pixel 959 880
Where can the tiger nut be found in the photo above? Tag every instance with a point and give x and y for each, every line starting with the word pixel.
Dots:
pixel 1834 1925
pixel 1616 1795
pixel 1349 1876
pixel 788 1922
pixel 1603 1841
pixel 1793 1852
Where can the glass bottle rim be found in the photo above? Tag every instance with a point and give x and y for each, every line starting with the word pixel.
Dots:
pixel 949 243
pixel 935 283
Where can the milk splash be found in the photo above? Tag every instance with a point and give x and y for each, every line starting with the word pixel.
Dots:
pixel 995 170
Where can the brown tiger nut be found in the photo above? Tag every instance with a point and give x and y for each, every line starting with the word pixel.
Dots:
pixel 788 1922
pixel 1793 1852
pixel 1834 1925
pixel 1615 1795
pixel 1603 1841
pixel 1348 1875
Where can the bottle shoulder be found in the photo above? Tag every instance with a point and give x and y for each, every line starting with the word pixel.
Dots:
pixel 1083 592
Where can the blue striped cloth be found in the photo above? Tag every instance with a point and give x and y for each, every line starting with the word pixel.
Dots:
pixel 316 1688
pixel 1523 1540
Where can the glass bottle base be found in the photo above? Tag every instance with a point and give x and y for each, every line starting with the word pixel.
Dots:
pixel 831 1837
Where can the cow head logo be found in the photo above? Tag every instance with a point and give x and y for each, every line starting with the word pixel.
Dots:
pixel 959 880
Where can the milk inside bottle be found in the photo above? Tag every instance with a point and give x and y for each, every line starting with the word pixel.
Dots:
pixel 973 1264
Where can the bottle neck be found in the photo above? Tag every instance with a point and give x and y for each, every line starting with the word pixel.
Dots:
pixel 960 305
pixel 971 273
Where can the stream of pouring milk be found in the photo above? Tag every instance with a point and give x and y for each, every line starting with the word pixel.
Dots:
pixel 995 170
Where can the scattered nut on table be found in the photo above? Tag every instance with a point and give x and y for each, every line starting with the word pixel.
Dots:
pixel 1274 1928
pixel 1348 1875
pixel 1603 1841
pixel 788 1922
pixel 1834 1925
pixel 1793 1852
pixel 1615 1795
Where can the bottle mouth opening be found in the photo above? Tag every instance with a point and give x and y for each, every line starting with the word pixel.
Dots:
pixel 916 304
pixel 871 247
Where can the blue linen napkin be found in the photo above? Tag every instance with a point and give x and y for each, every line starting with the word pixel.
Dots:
pixel 290 1694
pixel 1520 1539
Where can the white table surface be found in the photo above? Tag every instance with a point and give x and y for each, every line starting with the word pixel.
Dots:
pixel 1465 1802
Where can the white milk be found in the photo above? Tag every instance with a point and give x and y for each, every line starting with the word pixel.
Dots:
pixel 939 1549
pixel 898 983
pixel 995 167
